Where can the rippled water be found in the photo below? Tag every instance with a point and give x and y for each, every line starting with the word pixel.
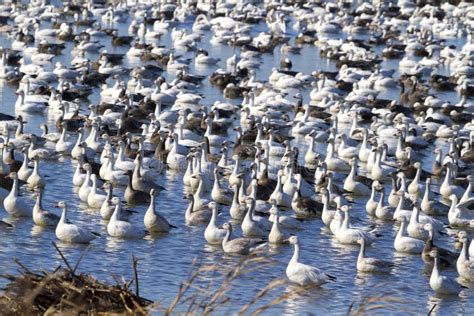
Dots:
pixel 165 260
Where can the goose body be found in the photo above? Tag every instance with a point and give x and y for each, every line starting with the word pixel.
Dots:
pixel 71 233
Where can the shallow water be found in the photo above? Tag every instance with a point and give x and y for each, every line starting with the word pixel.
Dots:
pixel 165 260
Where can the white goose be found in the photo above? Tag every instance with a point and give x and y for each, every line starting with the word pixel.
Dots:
pixel 277 235
pixel 35 179
pixel 440 283
pixel 117 227
pixel 213 234
pixel 431 206
pixel 349 235
pixel 365 264
pixel 40 216
pixel 447 188
pixel 13 204
pixel 407 244
pixel 95 199
pixel 465 266
pixel 71 233
pixel 278 195
pixel 352 185
pixel 461 214
pixel 303 274
pixel 85 188
pixel 240 245
pixel 251 227
pixel 24 172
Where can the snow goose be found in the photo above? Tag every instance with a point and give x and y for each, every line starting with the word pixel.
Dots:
pixel 464 265
pixel 197 215
pixel 335 163
pixel 365 264
pixel 277 235
pixel 415 229
pixel 303 274
pixel 218 193
pixel 407 244
pixel 384 212
pixel 64 146
pixel 154 221
pixel 71 233
pixel 352 185
pixel 431 206
pixel 95 199
pixel 371 205
pixel 278 195
pixel 107 209
pixel 252 227
pixel 40 216
pixel 30 105
pixel 442 284
pixel 468 193
pixel 35 179
pixel 240 245
pixel 447 258
pixel 85 188
pixel 13 203
pixel 447 188
pixel 461 214
pixel 237 211
pixel 349 235
pixel 24 172
pixel 117 227
pixel 285 221
pixel 213 234
pixel 415 187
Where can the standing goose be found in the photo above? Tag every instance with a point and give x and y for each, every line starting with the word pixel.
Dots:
pixel 442 284
pixel 117 227
pixel 71 233
pixel 407 244
pixel 14 204
pixel 214 235
pixel 303 274
pixel 240 245
pixel 40 216
pixel 365 264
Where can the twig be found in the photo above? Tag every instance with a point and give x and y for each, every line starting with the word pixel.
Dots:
pixel 64 258
pixel 135 275
pixel 21 265
pixel 432 309
pixel 80 259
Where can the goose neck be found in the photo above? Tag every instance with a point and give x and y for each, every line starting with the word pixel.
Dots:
pixel 296 254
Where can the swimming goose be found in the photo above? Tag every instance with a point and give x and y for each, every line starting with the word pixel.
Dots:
pixel 303 274
pixel 414 188
pixel 278 195
pixel 468 193
pixel 13 203
pixel 237 211
pixel 240 245
pixel 352 185
pixel 447 258
pixel 415 229
pixel 40 216
pixel 349 235
pixel 252 227
pixel 95 199
pixel 218 193
pixel 85 188
pixel 371 205
pixel 71 233
pixel 440 283
pixel 25 171
pixel 384 212
pixel 154 221
pixel 213 234
pixel 132 196
pixel 117 227
pixel 447 188
pixel 461 214
pixel 333 162
pixel 197 215
pixel 407 244
pixel 464 265
pixel 107 209
pixel 365 264
pixel 285 221
pixel 431 206
pixel 35 179
pixel 277 234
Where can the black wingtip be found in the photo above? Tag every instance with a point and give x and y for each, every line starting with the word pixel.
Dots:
pixel 172 226
pixel 96 234
pixel 332 278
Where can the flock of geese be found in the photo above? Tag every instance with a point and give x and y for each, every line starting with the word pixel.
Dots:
pixel 360 147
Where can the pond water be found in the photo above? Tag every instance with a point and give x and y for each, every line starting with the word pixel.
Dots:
pixel 165 261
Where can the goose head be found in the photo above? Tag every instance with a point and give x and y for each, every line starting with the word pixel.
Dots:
pixel 293 240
